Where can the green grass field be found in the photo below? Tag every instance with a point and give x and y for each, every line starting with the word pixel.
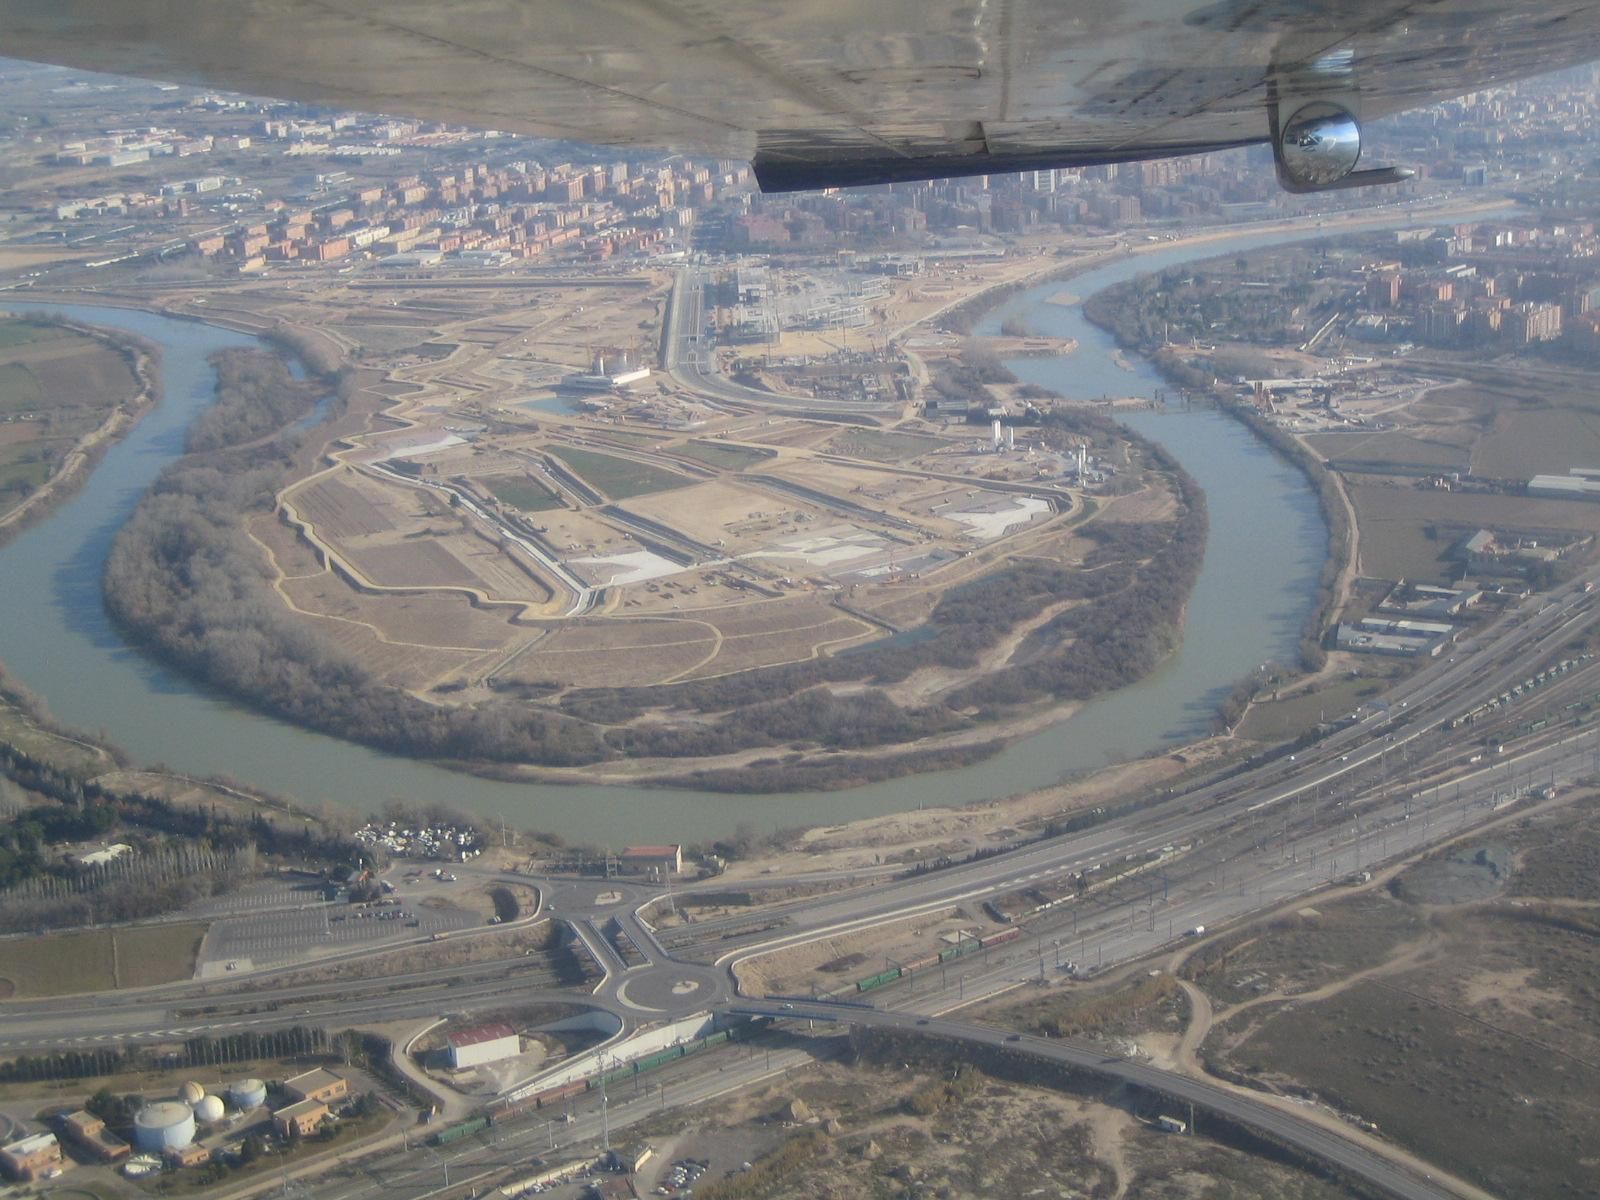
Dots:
pixel 1280 720
pixel 99 960
pixel 726 458
pixel 19 389
pixel 1390 448
pixel 1542 441
pixel 1394 537
pixel 19 730
pixel 619 478
pixel 879 446
pixel 19 478
pixel 522 493
pixel 19 332
pixel 629 438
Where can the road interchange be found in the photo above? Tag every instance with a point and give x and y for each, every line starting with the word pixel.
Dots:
pixel 1375 771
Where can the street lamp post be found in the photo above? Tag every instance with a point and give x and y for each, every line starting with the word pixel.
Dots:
pixel 605 1106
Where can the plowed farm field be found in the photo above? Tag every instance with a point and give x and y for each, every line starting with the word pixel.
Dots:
pixel 339 511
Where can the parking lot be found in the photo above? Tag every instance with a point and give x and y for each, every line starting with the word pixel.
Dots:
pixel 680 1175
pixel 288 934
pixel 255 897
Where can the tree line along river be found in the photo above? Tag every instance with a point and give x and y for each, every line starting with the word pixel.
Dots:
pixel 1254 592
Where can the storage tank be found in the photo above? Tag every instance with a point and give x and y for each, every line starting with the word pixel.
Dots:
pixel 190 1093
pixel 209 1109
pixel 164 1125
pixel 247 1094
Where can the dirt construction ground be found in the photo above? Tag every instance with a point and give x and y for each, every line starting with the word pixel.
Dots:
pixel 1454 1009
pixel 837 1132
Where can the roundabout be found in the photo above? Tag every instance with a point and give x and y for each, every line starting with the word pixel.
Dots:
pixel 670 989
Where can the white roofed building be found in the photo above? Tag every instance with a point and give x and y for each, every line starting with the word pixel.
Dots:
pixel 483 1044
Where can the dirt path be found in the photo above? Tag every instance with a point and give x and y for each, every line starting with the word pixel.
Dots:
pixel 926 684
pixel 452 1106
pixel 1201 1017
pixel 1406 956
pixel 279 578
pixel 1108 1125
pixel 1352 559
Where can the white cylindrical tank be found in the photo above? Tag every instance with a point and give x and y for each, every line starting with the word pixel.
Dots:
pixel 247 1094
pixel 164 1125
pixel 190 1093
pixel 209 1109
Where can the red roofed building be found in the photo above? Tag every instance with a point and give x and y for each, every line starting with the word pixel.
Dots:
pixel 483 1044
pixel 651 860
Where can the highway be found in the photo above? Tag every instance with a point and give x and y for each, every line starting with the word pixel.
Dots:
pixel 1310 782
pixel 660 988
pixel 75 1022
pixel 1226 847
pixel 1307 1136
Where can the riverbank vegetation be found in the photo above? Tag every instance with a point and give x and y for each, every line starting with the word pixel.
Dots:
pixel 1129 592
pixel 256 395
pixel 184 579
pixel 177 853
pixel 1151 313
pixel 964 317
pixel 1138 576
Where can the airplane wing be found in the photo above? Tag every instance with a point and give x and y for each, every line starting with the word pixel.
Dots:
pixel 821 93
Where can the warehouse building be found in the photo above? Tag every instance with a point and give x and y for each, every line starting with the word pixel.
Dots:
pixel 1372 635
pixel 1425 601
pixel 483 1044
pixel 660 861
pixel 1578 484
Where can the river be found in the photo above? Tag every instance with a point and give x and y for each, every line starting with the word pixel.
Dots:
pixel 1252 596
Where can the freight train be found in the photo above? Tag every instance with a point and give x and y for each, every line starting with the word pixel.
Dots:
pixel 949 954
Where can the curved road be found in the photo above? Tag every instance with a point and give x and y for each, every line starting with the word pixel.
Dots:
pixel 649 984
pixel 1306 1136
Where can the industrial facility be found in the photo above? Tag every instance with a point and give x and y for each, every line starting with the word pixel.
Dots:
pixel 483 1044
pixel 246 1094
pixel 33 1157
pixel 317 1084
pixel 163 1125
pixel 1374 635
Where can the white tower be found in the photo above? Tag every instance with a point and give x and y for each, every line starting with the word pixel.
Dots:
pixel 997 434
pixel 1011 437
